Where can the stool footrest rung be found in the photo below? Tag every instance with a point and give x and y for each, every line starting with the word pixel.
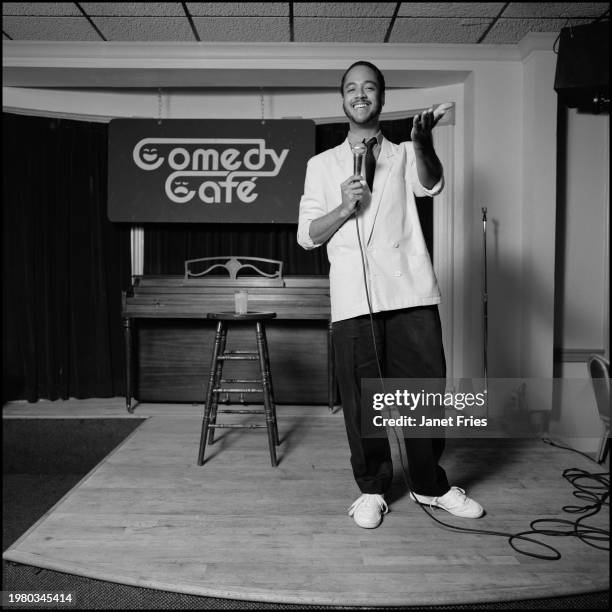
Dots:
pixel 226 390
pixel 237 411
pixel 241 357
pixel 226 426
pixel 241 380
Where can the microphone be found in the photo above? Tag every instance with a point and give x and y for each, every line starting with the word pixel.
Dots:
pixel 359 150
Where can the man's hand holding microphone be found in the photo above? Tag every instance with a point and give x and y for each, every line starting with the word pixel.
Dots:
pixel 354 188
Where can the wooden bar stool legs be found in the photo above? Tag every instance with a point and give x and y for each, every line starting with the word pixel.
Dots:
pixel 265 380
pixel 219 350
pixel 216 382
pixel 262 340
pixel 210 395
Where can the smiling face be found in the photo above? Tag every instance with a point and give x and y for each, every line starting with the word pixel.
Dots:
pixel 149 154
pixel 362 99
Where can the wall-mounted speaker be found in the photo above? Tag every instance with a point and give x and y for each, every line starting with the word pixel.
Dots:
pixel 582 78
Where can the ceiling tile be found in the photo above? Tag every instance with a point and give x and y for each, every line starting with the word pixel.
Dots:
pixel 450 9
pixel 343 9
pixel 134 9
pixel 40 8
pixel 239 9
pixel 511 31
pixel 145 28
pixel 417 22
pixel 243 29
pixel 326 29
pixel 556 9
pixel 441 31
pixel 49 28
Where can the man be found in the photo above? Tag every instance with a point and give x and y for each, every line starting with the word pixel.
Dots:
pixel 402 288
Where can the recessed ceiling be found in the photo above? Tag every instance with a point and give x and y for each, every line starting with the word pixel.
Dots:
pixel 300 22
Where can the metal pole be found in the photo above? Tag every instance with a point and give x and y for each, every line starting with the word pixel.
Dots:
pixel 485 299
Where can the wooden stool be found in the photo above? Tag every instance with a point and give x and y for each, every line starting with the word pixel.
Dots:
pixel 216 382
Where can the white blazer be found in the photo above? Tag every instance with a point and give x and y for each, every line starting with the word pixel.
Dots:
pixel 398 267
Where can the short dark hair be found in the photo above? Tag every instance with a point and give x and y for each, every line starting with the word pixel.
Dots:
pixel 379 75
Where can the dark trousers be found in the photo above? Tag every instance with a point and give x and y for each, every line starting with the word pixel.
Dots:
pixel 409 344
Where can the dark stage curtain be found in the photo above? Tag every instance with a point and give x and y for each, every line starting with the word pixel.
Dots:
pixel 64 264
pixel 167 246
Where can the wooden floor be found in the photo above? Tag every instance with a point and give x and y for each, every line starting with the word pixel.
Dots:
pixel 238 528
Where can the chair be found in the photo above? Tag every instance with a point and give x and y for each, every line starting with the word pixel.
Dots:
pixel 599 369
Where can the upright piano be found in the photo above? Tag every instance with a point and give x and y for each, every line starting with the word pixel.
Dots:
pixel 168 339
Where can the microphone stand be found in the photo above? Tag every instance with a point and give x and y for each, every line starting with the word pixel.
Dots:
pixel 485 312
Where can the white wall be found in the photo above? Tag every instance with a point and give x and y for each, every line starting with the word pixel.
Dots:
pixel 494 180
pixel 585 290
pixel 583 327
pixel 98 105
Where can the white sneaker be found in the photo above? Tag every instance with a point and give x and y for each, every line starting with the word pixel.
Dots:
pixel 368 509
pixel 454 501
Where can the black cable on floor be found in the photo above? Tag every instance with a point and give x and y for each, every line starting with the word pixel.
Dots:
pixel 591 487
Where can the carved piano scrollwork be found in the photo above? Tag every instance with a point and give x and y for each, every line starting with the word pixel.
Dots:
pixel 203 266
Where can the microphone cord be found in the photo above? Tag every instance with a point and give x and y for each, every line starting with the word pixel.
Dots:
pixel 591 493
pixel 365 284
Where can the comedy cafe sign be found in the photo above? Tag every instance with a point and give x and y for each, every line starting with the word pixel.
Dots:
pixel 245 171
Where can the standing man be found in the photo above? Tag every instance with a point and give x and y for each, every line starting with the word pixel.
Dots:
pixel 402 288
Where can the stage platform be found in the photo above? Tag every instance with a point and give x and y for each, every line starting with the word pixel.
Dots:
pixel 237 528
